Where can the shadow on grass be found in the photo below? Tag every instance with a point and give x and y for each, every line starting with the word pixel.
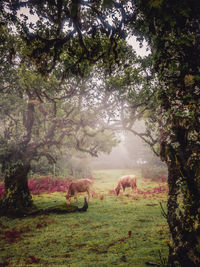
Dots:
pixel 58 209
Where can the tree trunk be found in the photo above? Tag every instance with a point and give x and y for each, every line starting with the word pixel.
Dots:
pixel 183 221
pixel 180 150
pixel 17 199
pixel 174 32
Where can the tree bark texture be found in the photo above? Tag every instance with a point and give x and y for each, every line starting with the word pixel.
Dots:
pixel 17 199
pixel 174 31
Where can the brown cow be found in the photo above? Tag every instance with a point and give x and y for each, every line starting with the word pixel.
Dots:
pixel 77 186
pixel 126 181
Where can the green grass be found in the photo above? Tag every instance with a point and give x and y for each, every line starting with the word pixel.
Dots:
pixel 115 231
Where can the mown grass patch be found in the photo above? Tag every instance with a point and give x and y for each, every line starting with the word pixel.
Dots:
pixel 115 231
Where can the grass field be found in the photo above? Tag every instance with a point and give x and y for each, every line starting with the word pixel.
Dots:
pixel 128 230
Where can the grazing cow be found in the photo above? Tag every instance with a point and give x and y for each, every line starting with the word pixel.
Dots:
pixel 126 181
pixel 77 186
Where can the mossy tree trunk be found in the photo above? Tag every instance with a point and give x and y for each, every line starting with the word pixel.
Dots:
pixel 179 95
pixel 16 165
pixel 17 199
pixel 173 28
pixel 183 217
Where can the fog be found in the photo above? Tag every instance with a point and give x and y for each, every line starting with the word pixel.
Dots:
pixel 131 152
pixel 118 158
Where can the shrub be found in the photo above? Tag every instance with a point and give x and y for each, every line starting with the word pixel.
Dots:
pixel 155 173
pixel 47 184
pixel 44 184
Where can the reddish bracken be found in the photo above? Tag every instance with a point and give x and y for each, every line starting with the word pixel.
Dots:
pixel 44 184
pixel 13 236
pixel 67 255
pixel 154 191
pixel 33 259
pixel 47 184
pixel 111 192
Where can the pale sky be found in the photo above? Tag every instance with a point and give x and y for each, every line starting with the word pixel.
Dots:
pixel 131 40
pixel 135 44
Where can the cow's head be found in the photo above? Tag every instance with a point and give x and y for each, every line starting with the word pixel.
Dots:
pixel 117 190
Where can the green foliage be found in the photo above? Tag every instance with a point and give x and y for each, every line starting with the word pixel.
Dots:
pixel 50 116
pixel 155 3
pixel 107 3
pixel 74 164
pixel 42 101
pixel 154 172
pixel 41 166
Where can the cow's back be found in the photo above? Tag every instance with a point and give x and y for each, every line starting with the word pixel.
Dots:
pixel 80 185
pixel 128 180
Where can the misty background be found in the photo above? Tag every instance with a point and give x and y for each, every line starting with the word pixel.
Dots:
pixel 130 153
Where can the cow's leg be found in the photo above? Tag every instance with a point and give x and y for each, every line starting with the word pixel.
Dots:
pixel 89 194
pixel 133 188
pixel 124 188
